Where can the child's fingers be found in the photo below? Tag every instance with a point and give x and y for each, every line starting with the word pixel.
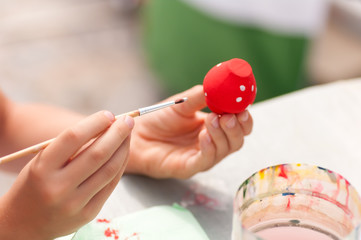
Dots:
pixel 233 131
pixel 99 152
pixel 93 207
pixel 96 182
pixel 246 121
pixel 207 157
pixel 223 136
pixel 218 136
pixel 72 139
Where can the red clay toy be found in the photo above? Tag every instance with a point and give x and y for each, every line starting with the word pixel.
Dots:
pixel 230 87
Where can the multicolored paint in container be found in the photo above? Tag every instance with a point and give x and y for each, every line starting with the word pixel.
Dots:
pixel 296 201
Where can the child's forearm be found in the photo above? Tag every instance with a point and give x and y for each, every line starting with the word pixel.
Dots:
pixel 22 125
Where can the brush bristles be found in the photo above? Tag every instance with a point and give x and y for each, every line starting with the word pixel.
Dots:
pixel 180 100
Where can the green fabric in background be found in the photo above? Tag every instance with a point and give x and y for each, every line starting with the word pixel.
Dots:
pixel 182 44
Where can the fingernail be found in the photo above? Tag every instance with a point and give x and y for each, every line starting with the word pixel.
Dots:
pixel 130 121
pixel 244 116
pixel 231 122
pixel 215 122
pixel 109 115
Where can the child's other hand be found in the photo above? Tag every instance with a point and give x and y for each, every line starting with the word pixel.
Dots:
pixel 180 141
pixel 54 195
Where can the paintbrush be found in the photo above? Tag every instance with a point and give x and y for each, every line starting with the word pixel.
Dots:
pixel 40 146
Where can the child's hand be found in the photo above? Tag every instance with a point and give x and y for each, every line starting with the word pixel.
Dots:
pixel 58 192
pixel 181 141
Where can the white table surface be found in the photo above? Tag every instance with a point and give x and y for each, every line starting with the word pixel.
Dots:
pixel 319 125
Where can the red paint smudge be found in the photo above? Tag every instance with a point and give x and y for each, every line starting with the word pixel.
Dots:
pixel 110 232
pixel 347 184
pixel 201 199
pixel 338 186
pixel 334 201
pixel 133 235
pixel 288 207
pixel 318 188
pixel 192 198
pixel 283 172
pixel 103 220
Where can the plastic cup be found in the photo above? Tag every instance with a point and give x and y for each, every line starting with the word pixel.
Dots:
pixel 296 201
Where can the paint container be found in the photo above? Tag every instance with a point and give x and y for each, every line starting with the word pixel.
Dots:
pixel 296 201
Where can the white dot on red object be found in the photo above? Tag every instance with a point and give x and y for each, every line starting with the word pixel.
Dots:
pixel 219 64
pixel 252 88
pixel 239 99
pixel 242 87
pixel 205 94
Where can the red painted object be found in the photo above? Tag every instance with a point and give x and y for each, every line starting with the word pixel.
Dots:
pixel 230 87
pixel 99 220
pixel 111 232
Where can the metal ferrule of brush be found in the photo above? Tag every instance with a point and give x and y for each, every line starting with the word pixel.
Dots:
pixel 154 107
